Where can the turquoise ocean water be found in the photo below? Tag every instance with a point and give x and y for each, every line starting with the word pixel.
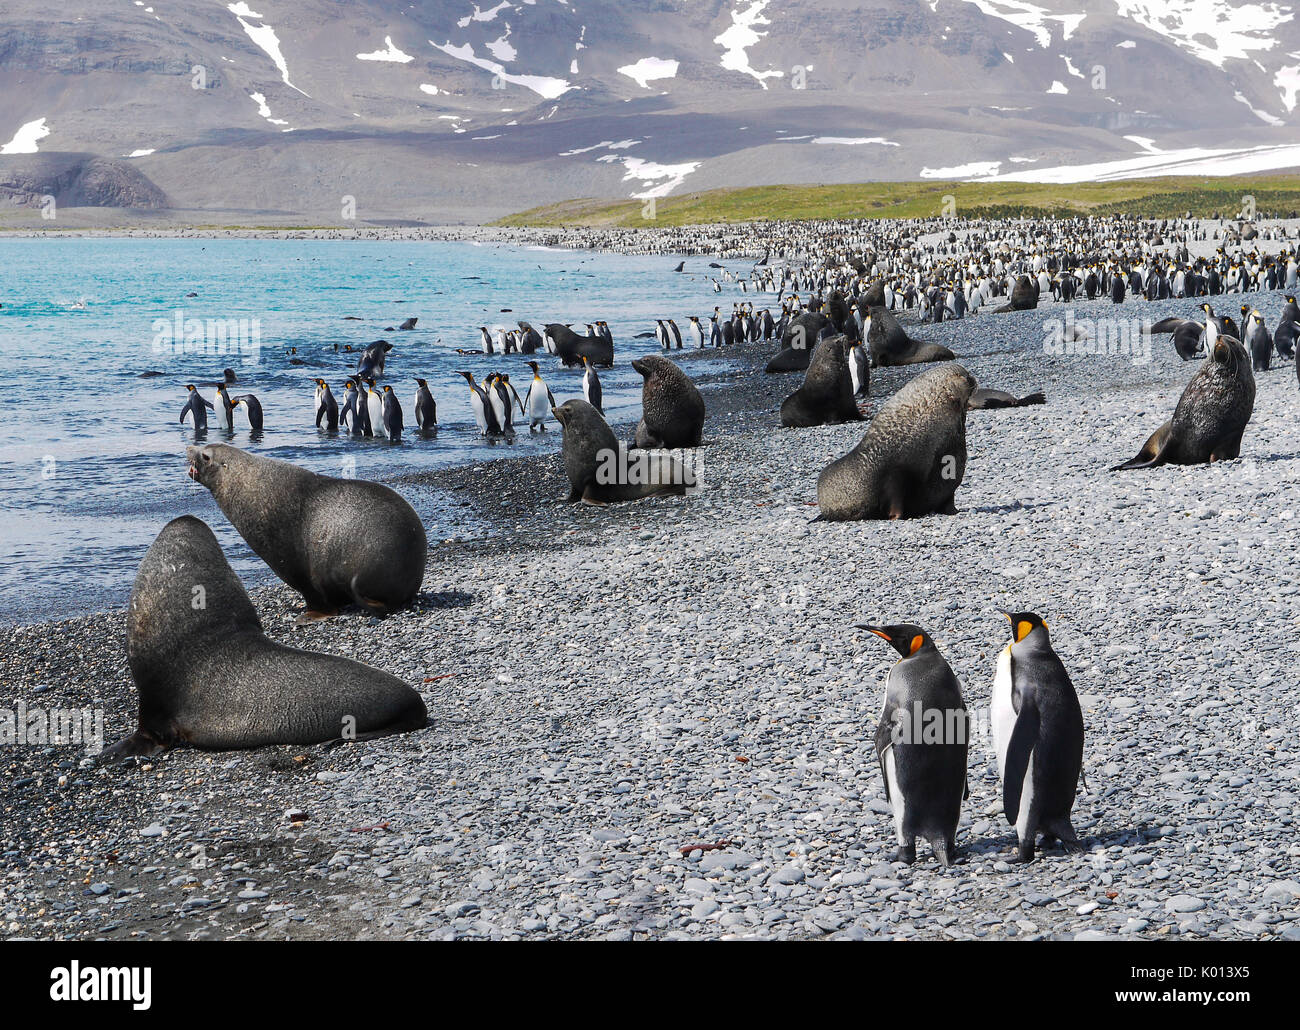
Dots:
pixel 92 455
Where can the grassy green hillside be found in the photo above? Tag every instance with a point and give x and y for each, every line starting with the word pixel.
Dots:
pixel 1156 198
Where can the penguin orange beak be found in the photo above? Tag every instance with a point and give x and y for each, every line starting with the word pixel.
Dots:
pixel 876 630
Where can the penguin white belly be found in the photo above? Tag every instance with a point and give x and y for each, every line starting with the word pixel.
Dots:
pixel 1002 715
pixel 1026 801
pixel 376 409
pixel 895 794
pixel 476 405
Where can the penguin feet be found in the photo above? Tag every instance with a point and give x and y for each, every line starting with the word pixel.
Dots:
pixel 906 853
pixel 1025 853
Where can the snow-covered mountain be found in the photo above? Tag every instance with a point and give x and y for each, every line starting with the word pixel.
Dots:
pixel 448 110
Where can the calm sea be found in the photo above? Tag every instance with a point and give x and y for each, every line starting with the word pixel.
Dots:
pixel 92 455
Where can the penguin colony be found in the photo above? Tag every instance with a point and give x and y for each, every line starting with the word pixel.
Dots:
pixel 842 292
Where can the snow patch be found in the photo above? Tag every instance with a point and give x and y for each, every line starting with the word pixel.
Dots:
pixel 265 38
pixel 1189 161
pixel 430 88
pixel 389 53
pixel 1263 116
pixel 648 172
pixel 1058 87
pixel 1287 81
pixel 543 86
pixel 962 171
pixel 854 141
pixel 480 15
pixel 740 37
pixel 648 69
pixel 264 110
pixel 1213 32
pixel 140 153
pixel 26 138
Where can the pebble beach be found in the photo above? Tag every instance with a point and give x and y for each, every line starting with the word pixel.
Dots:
pixel 655 720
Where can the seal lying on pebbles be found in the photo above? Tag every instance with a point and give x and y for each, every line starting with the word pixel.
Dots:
pixel 982 399
pixel 336 541
pixel 672 410
pixel 603 471
pixel 889 343
pixel 1210 416
pixel 826 396
pixel 207 675
pixel 912 459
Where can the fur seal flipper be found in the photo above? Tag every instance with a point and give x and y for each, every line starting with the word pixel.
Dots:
pixel 209 677
pixel 983 399
pixel 911 460
pixel 336 541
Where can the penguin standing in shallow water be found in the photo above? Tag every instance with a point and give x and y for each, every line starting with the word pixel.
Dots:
pixel 252 409
pixel 538 401
pixel 392 415
pixel 326 407
pixel 484 416
pixel 921 744
pixel 196 407
pixel 374 402
pixel 591 386
pixel 1038 732
pixel 426 411
pixel 225 411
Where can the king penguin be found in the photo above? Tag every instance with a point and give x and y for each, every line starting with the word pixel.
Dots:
pixel 591 386
pixel 921 744
pixel 196 407
pixel 392 414
pixel 484 416
pixel 859 370
pixel 538 401
pixel 1038 732
pixel 252 408
pixel 426 411
pixel 225 410
pixel 374 402
pixel 326 407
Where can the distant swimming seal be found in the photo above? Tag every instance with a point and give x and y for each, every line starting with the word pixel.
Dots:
pixel 602 471
pixel 672 410
pixel 984 399
pixel 207 676
pixel 1211 414
pixel 889 343
pixel 335 541
pixel 911 460
pixel 826 396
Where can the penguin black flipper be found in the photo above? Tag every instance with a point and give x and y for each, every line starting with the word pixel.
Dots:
pixel 883 744
pixel 1023 740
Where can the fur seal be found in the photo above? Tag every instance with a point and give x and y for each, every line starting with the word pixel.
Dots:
pixel 602 471
pixel 335 541
pixel 1024 296
pixel 984 399
pixel 911 460
pixel 672 410
pixel 209 677
pixel 571 348
pixel 1210 416
pixel 889 343
pixel 826 396
pixel 797 340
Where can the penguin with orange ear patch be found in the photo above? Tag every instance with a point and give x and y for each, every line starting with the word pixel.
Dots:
pixel 1038 732
pixel 921 744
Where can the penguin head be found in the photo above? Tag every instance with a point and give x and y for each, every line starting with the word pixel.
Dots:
pixel 533 366
pixel 1024 623
pixel 190 387
pixel 905 638
pixel 423 385
pixel 388 389
pixel 469 376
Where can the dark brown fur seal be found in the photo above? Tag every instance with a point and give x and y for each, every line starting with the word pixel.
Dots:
pixel 672 410
pixel 336 541
pixel 209 677
pixel 1211 415
pixel 984 399
pixel 602 471
pixel 1024 296
pixel 797 340
pixel 889 343
pixel 912 459
pixel 826 396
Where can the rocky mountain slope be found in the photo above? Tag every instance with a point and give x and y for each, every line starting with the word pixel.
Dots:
pixel 454 111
